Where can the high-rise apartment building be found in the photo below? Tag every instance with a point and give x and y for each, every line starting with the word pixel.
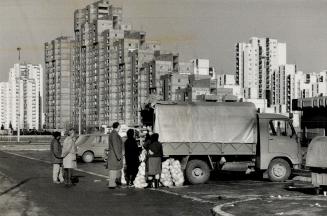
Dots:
pixel 128 86
pixel 4 103
pixel 58 78
pixel 89 24
pixel 162 64
pixel 22 103
pixel 283 88
pixel 255 63
pixel 110 81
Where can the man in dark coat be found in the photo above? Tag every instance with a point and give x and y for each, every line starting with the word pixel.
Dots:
pixel 55 149
pixel 131 157
pixel 115 156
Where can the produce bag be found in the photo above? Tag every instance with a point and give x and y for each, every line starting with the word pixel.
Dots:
pixel 140 181
pixel 165 177
pixel 176 173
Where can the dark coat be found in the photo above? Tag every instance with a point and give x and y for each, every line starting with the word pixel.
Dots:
pixel 132 158
pixel 115 156
pixel 55 151
pixel 156 148
pixel 131 151
pixel 153 165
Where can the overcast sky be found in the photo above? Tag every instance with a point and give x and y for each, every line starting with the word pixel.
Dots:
pixel 194 28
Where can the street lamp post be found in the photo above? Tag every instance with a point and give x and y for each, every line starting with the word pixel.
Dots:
pixel 18 115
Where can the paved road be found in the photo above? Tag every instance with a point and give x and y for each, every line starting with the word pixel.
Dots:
pixel 90 196
pixel 227 195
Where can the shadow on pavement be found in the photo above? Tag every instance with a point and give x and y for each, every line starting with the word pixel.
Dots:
pixel 234 175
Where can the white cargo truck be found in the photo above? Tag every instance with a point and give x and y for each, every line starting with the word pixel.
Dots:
pixel 208 136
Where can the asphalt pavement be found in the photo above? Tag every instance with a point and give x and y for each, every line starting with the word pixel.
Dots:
pixel 225 194
pixel 90 196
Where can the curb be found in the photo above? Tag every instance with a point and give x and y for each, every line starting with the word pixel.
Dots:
pixel 25 147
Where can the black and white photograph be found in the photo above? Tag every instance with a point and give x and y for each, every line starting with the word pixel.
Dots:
pixel 163 107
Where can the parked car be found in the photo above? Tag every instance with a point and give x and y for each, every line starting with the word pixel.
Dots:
pixel 91 146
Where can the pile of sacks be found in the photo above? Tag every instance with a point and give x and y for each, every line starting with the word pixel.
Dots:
pixel 165 178
pixel 176 172
pixel 171 173
pixel 140 181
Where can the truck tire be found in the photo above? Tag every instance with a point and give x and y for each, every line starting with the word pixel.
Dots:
pixel 88 157
pixel 279 170
pixel 197 172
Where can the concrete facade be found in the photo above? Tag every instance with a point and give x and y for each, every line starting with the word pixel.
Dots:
pixel 58 83
pixel 23 102
pixel 89 24
pixel 256 61
pixel 4 103
pixel 170 83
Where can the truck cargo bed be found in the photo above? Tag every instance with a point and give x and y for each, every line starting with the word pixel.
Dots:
pixel 208 148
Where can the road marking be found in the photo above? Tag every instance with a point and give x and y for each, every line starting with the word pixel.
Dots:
pixel 184 196
pixel 27 157
pixel 217 209
pixel 48 162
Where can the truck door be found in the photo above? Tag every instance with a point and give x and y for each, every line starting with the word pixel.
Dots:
pixel 282 140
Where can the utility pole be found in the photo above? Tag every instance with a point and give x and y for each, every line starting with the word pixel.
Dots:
pixel 79 120
pixel 18 115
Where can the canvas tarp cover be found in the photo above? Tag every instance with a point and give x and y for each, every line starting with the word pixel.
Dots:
pixel 217 122
pixel 317 153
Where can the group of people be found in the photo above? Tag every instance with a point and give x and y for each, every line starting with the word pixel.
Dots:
pixel 132 152
pixel 64 158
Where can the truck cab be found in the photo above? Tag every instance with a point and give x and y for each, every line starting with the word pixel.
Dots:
pixel 279 150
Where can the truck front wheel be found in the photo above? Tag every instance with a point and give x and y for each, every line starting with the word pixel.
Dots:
pixel 279 170
pixel 197 172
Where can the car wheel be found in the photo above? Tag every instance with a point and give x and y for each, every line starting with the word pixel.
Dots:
pixel 88 157
pixel 279 170
pixel 197 172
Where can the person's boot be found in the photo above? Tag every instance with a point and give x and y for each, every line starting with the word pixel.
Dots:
pixel 149 183
pixel 128 181
pixel 156 182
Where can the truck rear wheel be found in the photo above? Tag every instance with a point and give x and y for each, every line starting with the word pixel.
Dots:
pixel 197 172
pixel 279 170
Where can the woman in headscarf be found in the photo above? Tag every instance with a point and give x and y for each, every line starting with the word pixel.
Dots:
pixel 155 154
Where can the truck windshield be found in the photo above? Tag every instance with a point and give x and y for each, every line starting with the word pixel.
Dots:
pixel 281 128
